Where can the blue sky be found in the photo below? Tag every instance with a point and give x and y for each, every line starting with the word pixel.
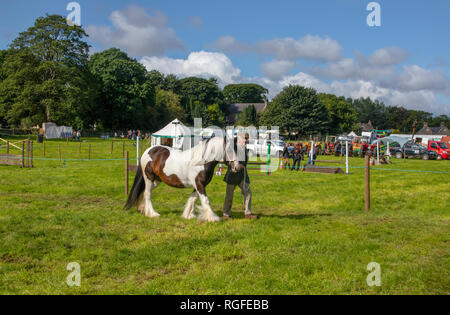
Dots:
pixel 325 44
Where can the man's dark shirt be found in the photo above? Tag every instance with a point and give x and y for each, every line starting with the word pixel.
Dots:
pixel 236 178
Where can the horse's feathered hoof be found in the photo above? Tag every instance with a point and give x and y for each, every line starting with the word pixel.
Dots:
pixel 206 216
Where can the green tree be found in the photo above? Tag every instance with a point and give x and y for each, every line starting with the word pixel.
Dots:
pixel 342 114
pixel 248 117
pixel 169 104
pixel 48 66
pixel 63 56
pixel 215 116
pixel 200 90
pixel 397 117
pixel 244 93
pixel 21 90
pixel 375 111
pixel 436 121
pixel 127 97
pixel 419 116
pixel 156 79
pixel 297 109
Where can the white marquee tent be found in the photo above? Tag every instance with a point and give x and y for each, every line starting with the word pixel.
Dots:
pixel 52 131
pixel 176 130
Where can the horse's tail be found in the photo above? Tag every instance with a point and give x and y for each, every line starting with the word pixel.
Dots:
pixel 137 189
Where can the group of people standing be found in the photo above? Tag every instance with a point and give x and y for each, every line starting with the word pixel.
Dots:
pixel 296 153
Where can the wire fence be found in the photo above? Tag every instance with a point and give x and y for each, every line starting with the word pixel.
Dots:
pixel 116 149
pixel 263 168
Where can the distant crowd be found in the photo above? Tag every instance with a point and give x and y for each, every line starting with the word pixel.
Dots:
pixel 134 134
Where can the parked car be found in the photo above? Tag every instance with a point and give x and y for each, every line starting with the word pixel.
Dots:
pixel 440 148
pixel 260 147
pixel 413 150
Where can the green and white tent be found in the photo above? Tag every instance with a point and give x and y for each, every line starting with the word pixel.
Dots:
pixel 176 130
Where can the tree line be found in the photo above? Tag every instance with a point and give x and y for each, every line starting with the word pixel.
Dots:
pixel 47 75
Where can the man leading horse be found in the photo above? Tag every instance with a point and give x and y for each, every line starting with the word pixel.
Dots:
pixel 239 178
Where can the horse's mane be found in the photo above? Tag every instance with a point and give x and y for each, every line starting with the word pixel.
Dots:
pixel 207 151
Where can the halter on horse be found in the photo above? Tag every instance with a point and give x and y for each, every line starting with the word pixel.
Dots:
pixel 190 168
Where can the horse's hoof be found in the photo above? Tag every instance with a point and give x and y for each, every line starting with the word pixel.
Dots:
pixel 191 217
pixel 153 215
pixel 209 219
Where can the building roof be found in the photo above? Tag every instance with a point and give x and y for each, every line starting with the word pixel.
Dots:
pixel 239 107
pixel 442 130
pixel 367 127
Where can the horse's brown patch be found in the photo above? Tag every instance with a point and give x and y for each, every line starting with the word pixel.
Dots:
pixel 154 170
pixel 204 177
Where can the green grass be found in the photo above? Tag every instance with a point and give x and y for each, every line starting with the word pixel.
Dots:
pixel 313 236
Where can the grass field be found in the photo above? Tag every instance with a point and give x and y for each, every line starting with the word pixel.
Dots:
pixel 313 236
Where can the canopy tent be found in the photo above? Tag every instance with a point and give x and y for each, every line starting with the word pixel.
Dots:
pixel 180 134
pixel 393 139
pixel 352 134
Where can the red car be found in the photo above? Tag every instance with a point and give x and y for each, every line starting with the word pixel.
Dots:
pixel 440 148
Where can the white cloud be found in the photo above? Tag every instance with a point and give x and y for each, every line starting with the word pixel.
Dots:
pixel 229 44
pixel 419 100
pixel 276 69
pixel 415 78
pixel 195 21
pixel 381 69
pixel 414 94
pixel 203 64
pixel 388 56
pixel 137 33
pixel 309 47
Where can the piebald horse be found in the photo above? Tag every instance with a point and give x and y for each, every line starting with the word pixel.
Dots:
pixel 181 169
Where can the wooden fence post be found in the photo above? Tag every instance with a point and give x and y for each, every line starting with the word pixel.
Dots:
pixel 7 147
pixel 44 148
pixel 112 147
pixel 59 151
pixel 79 148
pixel 23 154
pixel 32 154
pixel 367 184
pixel 28 153
pixel 126 174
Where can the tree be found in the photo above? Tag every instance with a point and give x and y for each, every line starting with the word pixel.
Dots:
pixel 436 121
pixel 215 116
pixel 63 57
pixel 244 93
pixel 419 116
pixel 397 118
pixel 375 111
pixel 342 114
pixel 199 90
pixel 169 104
pixel 156 79
pixel 20 90
pixel 248 117
pixel 127 97
pixel 297 109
